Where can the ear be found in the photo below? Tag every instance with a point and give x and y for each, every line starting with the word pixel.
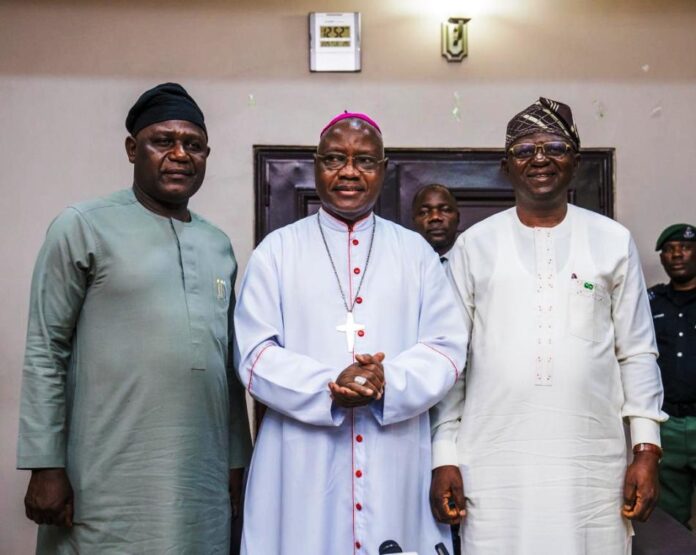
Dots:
pixel 131 145
pixel 504 167
pixel 576 162
pixel 207 153
pixel 386 161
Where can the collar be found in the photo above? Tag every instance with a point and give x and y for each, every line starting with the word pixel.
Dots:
pixel 680 298
pixel 445 256
pixel 559 230
pixel 335 224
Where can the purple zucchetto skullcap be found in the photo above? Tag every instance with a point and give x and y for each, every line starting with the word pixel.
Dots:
pixel 348 115
pixel 545 116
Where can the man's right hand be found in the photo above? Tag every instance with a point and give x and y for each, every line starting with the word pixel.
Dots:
pixel 349 394
pixel 49 498
pixel 447 499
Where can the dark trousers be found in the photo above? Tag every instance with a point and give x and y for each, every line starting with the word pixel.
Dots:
pixel 678 467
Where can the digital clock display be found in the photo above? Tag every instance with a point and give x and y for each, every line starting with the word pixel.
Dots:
pixel 334 36
pixel 328 32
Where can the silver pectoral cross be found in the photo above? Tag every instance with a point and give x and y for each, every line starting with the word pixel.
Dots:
pixel 350 328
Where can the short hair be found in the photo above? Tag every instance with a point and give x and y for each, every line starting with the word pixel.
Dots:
pixel 431 187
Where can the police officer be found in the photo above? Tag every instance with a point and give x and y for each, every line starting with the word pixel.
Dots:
pixel 674 315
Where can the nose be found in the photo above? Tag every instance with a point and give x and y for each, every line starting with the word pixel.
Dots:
pixel 349 169
pixel 435 216
pixel 539 154
pixel 178 151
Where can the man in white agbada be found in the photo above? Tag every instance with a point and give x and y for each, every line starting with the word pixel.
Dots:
pixel 562 352
pixel 343 460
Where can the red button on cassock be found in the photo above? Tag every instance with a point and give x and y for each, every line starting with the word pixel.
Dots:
pixel 358 438
pixel 356 242
pixel 361 333
pixel 358 473
pixel 356 271
pixel 357 545
pixel 358 506
pixel 358 300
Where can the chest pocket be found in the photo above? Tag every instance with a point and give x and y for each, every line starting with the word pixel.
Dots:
pixel 589 314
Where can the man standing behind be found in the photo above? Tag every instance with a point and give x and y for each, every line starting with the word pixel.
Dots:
pixel 436 217
pixel 342 460
pixel 674 315
pixel 562 350
pixel 126 420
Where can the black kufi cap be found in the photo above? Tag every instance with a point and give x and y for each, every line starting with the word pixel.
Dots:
pixel 164 102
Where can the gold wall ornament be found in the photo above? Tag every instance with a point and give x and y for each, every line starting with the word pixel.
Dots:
pixel 454 38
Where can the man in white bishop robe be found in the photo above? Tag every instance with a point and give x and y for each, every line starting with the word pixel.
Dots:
pixel 348 330
pixel 562 352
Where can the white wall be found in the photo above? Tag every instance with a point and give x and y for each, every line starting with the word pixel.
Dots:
pixel 69 71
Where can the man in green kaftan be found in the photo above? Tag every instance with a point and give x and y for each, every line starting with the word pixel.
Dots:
pixel 132 421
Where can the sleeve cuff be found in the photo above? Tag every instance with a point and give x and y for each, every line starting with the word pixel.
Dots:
pixel 444 454
pixel 377 408
pixel 644 430
pixel 240 454
pixel 338 414
pixel 34 462
pixel 40 451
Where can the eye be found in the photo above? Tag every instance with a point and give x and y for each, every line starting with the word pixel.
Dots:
pixel 523 150
pixel 365 162
pixel 194 146
pixel 162 141
pixel 556 148
pixel 333 160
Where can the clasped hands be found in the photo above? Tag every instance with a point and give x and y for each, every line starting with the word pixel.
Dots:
pixel 348 393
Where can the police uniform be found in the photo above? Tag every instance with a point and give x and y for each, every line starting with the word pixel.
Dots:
pixel 674 317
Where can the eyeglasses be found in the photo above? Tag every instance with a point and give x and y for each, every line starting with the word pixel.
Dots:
pixel 338 160
pixel 552 149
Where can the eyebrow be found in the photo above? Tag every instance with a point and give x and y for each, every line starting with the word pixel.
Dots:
pixel 185 135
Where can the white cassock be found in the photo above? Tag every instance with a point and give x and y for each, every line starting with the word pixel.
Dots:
pixel 562 348
pixel 326 480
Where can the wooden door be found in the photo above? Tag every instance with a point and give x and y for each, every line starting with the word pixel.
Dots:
pixel 284 183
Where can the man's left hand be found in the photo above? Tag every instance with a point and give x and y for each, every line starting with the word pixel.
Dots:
pixel 236 480
pixel 349 394
pixel 641 486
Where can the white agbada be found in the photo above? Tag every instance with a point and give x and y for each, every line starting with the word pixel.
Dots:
pixel 326 480
pixel 562 348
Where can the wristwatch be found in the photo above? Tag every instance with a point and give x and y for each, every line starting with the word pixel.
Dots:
pixel 650 447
